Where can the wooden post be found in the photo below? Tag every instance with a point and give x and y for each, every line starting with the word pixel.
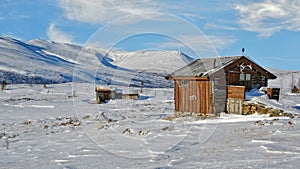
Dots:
pixel 142 85
pixel 97 97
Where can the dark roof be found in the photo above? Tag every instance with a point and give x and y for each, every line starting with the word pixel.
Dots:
pixel 205 67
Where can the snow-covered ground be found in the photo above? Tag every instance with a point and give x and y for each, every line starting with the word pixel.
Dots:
pixel 59 126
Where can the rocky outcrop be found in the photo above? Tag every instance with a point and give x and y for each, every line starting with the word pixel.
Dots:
pixel 251 108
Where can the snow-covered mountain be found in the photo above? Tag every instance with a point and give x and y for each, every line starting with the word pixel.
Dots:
pixel 41 61
pixel 285 80
pixel 156 61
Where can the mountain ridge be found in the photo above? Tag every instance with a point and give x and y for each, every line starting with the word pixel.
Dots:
pixel 44 61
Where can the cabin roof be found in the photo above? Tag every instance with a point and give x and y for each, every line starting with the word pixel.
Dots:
pixel 205 67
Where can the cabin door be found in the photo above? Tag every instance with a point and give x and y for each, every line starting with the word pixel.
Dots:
pixel 233 78
pixel 189 96
pixel 192 96
pixel 245 80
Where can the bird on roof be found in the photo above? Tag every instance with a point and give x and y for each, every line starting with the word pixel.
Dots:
pixel 243 50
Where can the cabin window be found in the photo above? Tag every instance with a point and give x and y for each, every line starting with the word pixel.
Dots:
pixel 245 77
pixel 184 83
pixel 248 77
pixel 242 77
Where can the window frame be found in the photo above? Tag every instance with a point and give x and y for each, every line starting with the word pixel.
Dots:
pixel 245 77
pixel 184 83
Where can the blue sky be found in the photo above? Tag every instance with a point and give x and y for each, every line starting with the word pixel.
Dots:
pixel 267 29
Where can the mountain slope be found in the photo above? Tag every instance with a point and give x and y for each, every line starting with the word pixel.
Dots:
pixel 285 80
pixel 24 63
pixel 155 61
pixel 41 61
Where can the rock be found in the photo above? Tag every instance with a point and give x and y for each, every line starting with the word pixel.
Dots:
pixel 127 131
pixel 260 107
pixel 276 113
pixel 290 115
pixel 245 104
pixel 252 111
pixel 143 132
pixel 253 107
pixel 263 111
pixel 169 118
pixel 246 110
pixel 168 128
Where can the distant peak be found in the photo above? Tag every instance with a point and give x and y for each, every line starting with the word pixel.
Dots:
pixel 38 40
pixel 7 38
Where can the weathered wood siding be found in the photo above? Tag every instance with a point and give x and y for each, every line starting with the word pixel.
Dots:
pixel 219 92
pixel 192 97
pixel 235 99
pixel 103 94
pixel 236 92
pixel 235 106
pixel 233 78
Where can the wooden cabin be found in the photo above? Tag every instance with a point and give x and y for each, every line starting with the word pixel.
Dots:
pixel 273 93
pixel 104 94
pixel 201 86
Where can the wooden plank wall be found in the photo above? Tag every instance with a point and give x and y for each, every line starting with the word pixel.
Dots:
pixel 236 92
pixel 235 106
pixel 194 97
pixel 219 92
pixel 233 78
pixel 235 99
pixel 176 95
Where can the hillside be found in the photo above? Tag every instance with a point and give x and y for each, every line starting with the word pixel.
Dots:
pixel 41 61
pixel 155 61
pixel 285 80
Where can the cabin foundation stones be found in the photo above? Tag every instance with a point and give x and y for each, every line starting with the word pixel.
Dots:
pixel 251 108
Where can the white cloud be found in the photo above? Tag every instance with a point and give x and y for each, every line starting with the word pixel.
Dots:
pixel 270 16
pixel 206 41
pixel 201 44
pixel 149 18
pixel 56 35
pixel 103 11
pixel 221 42
pixel 219 26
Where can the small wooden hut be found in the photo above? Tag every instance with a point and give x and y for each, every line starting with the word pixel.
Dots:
pixel 201 86
pixel 103 94
pixel 273 93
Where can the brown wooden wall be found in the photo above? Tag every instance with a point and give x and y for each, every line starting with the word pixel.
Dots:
pixel 236 92
pixel 259 76
pixel 192 97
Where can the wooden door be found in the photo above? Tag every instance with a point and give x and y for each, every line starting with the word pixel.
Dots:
pixel 194 96
pixel 233 78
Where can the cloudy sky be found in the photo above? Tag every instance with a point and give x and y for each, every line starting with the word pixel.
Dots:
pixel 269 30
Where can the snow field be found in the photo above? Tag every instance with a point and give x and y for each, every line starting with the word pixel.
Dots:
pixel 65 130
